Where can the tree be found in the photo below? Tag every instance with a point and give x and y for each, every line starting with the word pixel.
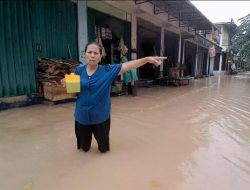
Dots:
pixel 241 40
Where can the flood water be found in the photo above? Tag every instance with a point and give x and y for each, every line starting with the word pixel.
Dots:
pixel 193 137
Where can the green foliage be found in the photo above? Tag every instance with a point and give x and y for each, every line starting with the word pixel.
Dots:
pixel 241 40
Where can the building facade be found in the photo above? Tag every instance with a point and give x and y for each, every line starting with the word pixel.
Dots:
pixel 227 30
pixel 55 29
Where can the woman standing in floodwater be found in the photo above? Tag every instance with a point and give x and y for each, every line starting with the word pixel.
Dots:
pixel 92 112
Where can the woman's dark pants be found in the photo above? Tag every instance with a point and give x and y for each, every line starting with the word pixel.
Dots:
pixel 101 134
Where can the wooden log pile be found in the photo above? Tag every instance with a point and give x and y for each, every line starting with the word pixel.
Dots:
pixel 49 74
pixel 53 70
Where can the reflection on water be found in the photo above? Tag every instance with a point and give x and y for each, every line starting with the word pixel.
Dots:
pixel 224 161
pixel 210 121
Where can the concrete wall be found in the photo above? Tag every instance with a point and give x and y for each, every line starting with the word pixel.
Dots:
pixel 106 8
pixel 225 36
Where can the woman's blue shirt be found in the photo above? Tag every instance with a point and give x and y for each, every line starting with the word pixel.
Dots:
pixel 93 104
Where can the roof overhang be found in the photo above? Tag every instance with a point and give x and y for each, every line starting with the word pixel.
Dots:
pixel 182 11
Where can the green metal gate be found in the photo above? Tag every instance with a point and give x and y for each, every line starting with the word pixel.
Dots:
pixel 32 29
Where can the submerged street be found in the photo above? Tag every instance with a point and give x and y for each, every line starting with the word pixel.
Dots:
pixel 193 137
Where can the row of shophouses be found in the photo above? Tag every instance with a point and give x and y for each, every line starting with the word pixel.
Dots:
pixel 30 29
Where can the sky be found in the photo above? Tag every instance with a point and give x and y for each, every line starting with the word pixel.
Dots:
pixel 223 11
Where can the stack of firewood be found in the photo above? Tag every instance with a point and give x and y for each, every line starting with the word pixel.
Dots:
pixel 53 70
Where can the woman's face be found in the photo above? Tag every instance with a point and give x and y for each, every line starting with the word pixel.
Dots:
pixel 93 55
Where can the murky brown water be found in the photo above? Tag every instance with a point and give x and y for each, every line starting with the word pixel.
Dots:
pixel 195 137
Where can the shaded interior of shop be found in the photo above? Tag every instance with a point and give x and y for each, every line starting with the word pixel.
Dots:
pixel 189 59
pixel 217 62
pixel 205 62
pixel 148 44
pixel 224 57
pixel 202 62
pixel 110 30
pixel 190 67
pixel 171 48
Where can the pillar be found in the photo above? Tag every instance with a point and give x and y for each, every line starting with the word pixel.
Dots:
pixel 162 50
pixel 82 28
pixel 183 57
pixel 179 54
pixel 133 36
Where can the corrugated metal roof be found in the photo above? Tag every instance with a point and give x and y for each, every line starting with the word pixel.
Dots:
pixel 183 11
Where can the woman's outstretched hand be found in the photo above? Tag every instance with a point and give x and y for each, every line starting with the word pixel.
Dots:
pixel 155 60
pixel 139 62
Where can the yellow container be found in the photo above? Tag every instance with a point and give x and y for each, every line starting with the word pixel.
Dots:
pixel 72 83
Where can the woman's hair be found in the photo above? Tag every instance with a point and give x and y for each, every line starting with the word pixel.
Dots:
pixel 94 43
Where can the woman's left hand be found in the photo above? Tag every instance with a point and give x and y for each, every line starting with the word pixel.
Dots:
pixel 155 60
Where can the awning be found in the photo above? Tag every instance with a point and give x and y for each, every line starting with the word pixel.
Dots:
pixel 187 15
pixel 182 11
